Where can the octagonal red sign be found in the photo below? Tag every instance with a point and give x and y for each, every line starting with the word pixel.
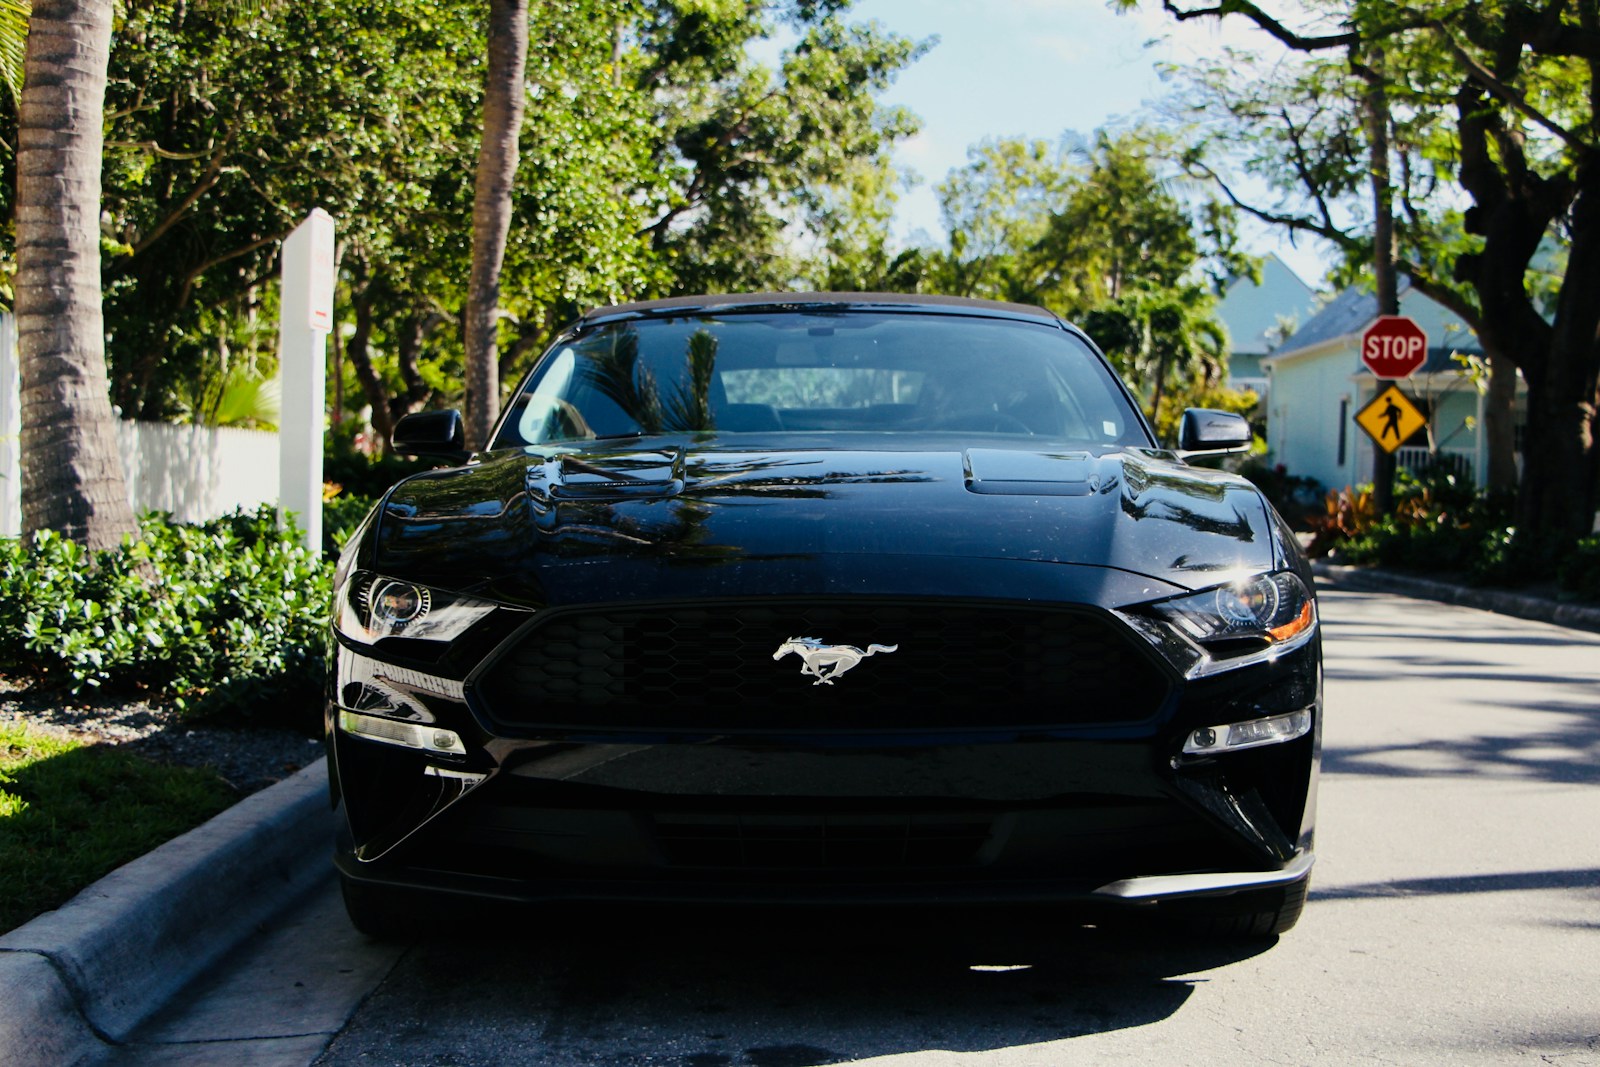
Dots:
pixel 1394 347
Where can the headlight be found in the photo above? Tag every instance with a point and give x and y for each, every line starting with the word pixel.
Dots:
pixel 373 606
pixel 1268 607
pixel 1232 625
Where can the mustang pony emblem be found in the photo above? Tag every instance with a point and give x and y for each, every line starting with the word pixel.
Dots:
pixel 826 662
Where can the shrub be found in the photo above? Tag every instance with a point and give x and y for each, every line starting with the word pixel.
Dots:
pixel 341 515
pixel 1347 514
pixel 227 615
pixel 1579 573
pixel 359 474
pixel 1295 498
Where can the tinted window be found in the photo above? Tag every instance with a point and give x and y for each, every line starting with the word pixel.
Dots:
pixel 817 372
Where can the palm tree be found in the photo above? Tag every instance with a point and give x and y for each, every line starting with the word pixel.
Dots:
pixel 72 479
pixel 13 35
pixel 503 99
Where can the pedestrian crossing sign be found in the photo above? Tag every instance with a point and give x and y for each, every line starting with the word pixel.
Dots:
pixel 1390 419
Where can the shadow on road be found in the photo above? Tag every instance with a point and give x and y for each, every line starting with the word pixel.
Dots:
pixel 1513 881
pixel 1568 754
pixel 708 987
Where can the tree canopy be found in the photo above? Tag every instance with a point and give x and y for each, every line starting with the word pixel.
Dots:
pixel 1484 114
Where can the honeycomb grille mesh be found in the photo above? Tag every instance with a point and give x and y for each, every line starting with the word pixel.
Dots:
pixel 712 666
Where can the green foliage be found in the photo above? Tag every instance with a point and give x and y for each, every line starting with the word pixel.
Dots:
pixel 359 474
pixel 1579 572
pixel 340 517
pixel 71 813
pixel 1441 523
pixel 1096 232
pixel 746 150
pixel 227 615
pixel 1294 497
pixel 1471 128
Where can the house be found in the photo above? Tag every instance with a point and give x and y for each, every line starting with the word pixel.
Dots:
pixel 1319 384
pixel 1256 314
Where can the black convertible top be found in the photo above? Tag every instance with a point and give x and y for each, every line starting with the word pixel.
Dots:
pixel 752 301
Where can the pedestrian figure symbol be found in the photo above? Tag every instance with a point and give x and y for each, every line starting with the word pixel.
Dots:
pixel 1390 419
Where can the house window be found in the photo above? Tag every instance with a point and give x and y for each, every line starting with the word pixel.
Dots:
pixel 1344 427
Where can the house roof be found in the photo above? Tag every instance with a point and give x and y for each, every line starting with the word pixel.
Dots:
pixel 1252 310
pixel 1353 310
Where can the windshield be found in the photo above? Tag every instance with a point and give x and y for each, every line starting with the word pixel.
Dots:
pixel 820 372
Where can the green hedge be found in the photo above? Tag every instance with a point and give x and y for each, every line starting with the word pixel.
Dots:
pixel 1579 572
pixel 226 615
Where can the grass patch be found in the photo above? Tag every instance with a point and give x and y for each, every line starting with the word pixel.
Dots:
pixel 71 813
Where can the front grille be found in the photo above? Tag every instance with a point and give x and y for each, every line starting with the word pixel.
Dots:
pixel 710 666
pixel 773 841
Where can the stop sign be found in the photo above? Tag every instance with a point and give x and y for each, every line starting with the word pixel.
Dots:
pixel 1394 347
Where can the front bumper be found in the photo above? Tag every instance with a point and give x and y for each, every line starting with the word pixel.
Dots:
pixel 1102 811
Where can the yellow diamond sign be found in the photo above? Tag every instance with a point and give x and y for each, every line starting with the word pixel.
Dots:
pixel 1390 419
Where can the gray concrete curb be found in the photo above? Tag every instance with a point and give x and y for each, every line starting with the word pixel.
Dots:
pixel 1541 609
pixel 76 980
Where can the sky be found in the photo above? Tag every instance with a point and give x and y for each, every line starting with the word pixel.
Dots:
pixel 1036 69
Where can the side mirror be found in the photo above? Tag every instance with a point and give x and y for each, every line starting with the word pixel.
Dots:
pixel 1205 430
pixel 431 433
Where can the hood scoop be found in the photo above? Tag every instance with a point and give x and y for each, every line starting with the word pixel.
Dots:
pixel 633 476
pixel 1002 472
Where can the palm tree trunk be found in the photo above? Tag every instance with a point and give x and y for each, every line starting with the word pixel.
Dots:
pixel 72 478
pixel 503 99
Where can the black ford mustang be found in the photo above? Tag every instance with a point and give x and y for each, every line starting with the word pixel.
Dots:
pixel 825 597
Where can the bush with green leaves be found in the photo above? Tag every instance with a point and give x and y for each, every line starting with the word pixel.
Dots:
pixel 340 517
pixel 1579 573
pixel 1440 522
pixel 227 615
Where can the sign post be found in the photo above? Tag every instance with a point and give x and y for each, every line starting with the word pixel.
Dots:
pixel 1393 348
pixel 305 317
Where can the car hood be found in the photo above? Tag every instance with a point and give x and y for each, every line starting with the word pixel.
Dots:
pixel 534 525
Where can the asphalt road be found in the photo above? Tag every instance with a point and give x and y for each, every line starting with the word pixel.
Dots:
pixel 1454 919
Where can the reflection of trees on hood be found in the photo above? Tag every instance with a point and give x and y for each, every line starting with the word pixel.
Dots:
pixel 616 372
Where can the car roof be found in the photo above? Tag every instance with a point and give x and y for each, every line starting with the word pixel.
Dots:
pixel 713 302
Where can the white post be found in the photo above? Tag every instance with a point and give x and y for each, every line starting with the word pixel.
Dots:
pixel 305 317
pixel 10 431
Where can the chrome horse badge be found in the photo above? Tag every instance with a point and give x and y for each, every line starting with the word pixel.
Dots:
pixel 826 662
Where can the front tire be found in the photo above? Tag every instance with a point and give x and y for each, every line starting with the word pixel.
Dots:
pixel 378 911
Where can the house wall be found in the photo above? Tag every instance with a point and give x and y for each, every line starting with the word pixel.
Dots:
pixel 1252 312
pixel 1303 427
pixel 1309 398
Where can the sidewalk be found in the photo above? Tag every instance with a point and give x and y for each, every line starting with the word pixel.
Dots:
pixel 1573 614
pixel 75 982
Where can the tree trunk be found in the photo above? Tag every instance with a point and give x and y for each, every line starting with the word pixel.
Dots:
pixel 503 100
pixel 1376 112
pixel 355 347
pixel 72 478
pixel 1559 474
pixel 1499 423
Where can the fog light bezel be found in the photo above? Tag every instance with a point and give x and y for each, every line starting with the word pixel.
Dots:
pixel 421 736
pixel 1247 734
